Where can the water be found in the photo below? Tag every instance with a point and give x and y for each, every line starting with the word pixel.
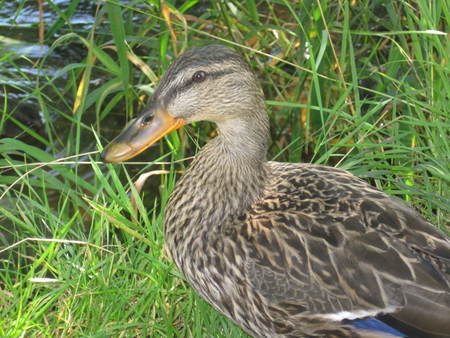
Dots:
pixel 20 52
pixel 29 69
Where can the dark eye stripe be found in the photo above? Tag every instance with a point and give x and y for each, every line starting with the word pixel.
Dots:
pixel 173 92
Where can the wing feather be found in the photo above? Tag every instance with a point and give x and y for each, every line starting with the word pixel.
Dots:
pixel 345 248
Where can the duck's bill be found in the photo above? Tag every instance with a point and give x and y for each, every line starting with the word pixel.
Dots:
pixel 139 134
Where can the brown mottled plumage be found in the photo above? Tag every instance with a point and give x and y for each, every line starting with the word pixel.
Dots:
pixel 283 249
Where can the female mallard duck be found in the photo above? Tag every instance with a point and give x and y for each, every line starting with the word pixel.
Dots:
pixel 285 249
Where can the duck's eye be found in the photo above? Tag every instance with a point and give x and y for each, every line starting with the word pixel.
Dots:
pixel 199 76
pixel 146 119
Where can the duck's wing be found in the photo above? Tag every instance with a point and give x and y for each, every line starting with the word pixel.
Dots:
pixel 323 245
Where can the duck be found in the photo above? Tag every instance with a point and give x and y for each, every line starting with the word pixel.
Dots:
pixel 285 249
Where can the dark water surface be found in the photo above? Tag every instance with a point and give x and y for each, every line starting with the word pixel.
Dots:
pixel 20 52
pixel 27 68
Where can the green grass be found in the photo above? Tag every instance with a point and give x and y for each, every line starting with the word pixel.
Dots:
pixel 363 87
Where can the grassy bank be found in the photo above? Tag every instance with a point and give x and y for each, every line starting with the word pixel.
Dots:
pixel 358 85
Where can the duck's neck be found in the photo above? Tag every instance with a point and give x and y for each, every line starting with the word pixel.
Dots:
pixel 243 142
pixel 230 169
pixel 226 176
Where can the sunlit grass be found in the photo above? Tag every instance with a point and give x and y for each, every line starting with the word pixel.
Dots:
pixel 363 87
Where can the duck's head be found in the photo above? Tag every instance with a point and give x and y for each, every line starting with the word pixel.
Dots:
pixel 211 83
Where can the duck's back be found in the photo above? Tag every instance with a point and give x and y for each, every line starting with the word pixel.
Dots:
pixel 321 244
